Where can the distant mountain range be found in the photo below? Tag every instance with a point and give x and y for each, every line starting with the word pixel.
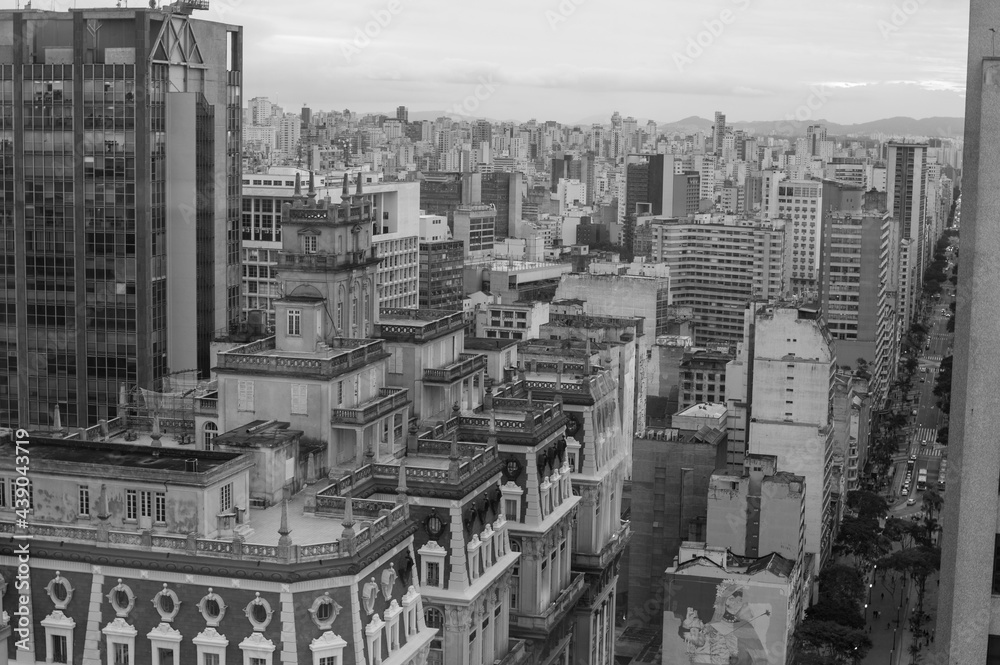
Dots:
pixel 898 126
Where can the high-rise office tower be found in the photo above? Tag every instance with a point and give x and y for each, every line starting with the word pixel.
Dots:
pixel 815 134
pixel 718 132
pixel 906 194
pixel 482 132
pixel 654 185
pixel 801 202
pixel 970 557
pixel 403 114
pixel 120 140
pixel 860 250
pixel 505 191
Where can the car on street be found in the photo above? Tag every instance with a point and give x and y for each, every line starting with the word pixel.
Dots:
pixel 923 380
pixel 906 491
pixel 913 457
pixel 912 501
pixel 914 411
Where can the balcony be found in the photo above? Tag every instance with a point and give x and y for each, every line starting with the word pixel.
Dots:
pixel 207 406
pixel 261 357
pixel 614 546
pixel 554 613
pixel 415 326
pixel 537 420
pixel 388 400
pixel 516 654
pixel 320 262
pixel 466 365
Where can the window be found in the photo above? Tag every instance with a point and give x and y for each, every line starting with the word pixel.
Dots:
pixel 226 498
pixel 245 396
pixel 146 504
pixel 161 507
pixel 294 328
pixel 309 244
pixel 434 574
pixel 60 652
pixel 131 505
pixel 300 392
pixel 515 576
pixel 210 431
pixel 84 505
pixel 122 654
pixel 328 660
pixel 510 509
pixel 210 659
pixel 3 492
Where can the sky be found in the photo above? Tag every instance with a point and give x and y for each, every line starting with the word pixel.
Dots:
pixel 574 61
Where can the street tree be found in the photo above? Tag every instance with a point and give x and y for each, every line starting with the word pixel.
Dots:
pixel 826 638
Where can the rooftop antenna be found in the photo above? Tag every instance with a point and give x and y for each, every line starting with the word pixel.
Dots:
pixel 993 39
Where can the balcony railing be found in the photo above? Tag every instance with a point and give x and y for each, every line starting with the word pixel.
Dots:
pixel 253 358
pixel 322 262
pixel 607 554
pixel 422 329
pixel 516 654
pixel 206 406
pixel 536 417
pixel 467 364
pixel 389 400
pixel 373 533
pixel 555 611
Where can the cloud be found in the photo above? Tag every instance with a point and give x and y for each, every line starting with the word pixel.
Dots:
pixel 607 54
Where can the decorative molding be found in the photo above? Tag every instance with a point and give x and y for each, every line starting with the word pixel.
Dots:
pixel 114 597
pixel 166 615
pixel 204 608
pixel 335 608
pixel 252 609
pixel 50 589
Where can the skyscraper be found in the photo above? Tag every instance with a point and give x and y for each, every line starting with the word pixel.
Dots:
pixel 403 114
pixel 718 132
pixel 121 146
pixel 967 610
pixel 906 194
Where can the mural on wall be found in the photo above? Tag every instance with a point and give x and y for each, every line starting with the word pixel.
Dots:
pixel 730 622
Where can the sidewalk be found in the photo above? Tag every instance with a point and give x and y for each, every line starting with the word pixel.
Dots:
pixel 890 633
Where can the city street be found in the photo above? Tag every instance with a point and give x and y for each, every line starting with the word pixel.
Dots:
pixel 894 600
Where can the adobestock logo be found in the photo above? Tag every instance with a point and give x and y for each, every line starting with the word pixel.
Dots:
pixel 363 35
pixel 471 103
pixel 705 39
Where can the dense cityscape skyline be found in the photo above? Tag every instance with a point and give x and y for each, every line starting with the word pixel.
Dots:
pixel 759 59
pixel 465 359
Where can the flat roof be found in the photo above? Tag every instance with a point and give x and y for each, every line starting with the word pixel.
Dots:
pixel 120 454
pixel 704 410
pixel 488 344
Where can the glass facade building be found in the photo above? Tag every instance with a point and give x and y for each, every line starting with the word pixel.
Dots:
pixel 102 248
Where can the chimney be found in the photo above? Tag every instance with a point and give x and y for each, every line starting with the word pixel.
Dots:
pixel 359 192
pixel 298 185
pixel 312 189
pixel 191 465
pixel 345 192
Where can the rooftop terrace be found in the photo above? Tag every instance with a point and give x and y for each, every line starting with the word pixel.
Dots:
pixel 338 356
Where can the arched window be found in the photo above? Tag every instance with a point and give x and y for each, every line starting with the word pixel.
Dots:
pixel 209 431
pixel 434 618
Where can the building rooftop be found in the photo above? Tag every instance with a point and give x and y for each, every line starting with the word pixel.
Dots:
pixel 417 325
pixel 488 344
pixel 106 453
pixel 704 410
pixel 259 434
pixel 337 356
